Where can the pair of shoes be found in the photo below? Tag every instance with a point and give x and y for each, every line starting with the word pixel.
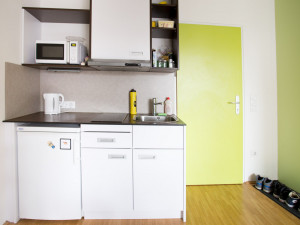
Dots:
pixel 264 184
pixel 292 199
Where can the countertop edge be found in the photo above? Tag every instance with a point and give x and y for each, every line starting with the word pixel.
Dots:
pixel 83 118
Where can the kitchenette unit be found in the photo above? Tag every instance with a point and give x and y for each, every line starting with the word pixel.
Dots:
pixel 95 159
pixel 121 169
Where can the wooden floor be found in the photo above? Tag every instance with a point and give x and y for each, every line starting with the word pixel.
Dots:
pixel 210 205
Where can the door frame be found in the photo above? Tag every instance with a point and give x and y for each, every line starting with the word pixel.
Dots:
pixel 243 79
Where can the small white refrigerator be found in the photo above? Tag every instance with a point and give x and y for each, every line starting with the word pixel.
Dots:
pixel 49 172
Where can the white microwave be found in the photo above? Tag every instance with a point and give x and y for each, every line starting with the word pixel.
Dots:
pixel 60 52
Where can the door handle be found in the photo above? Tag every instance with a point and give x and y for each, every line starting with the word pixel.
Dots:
pixel 106 140
pixel 237 104
pixel 147 157
pixel 116 156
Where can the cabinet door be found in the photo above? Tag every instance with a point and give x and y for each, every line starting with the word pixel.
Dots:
pixel 106 180
pixel 49 178
pixel 120 29
pixel 158 179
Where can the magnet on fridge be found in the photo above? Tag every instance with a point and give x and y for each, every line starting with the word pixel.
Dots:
pixel 65 144
pixel 50 144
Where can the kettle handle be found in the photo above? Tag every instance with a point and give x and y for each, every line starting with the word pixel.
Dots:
pixel 62 99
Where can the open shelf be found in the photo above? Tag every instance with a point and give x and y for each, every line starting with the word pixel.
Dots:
pixel 163 70
pixel 169 33
pixel 50 15
pixel 164 10
pixel 59 67
pixel 162 38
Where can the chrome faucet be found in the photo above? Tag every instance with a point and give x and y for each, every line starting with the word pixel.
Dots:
pixel 154 105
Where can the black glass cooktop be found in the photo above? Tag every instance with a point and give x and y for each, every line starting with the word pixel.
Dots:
pixel 109 117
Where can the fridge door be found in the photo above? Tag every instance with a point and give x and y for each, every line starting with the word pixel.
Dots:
pixel 49 175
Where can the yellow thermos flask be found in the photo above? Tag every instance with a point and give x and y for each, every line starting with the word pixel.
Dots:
pixel 132 95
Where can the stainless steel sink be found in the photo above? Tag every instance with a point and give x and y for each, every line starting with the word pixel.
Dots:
pixel 156 119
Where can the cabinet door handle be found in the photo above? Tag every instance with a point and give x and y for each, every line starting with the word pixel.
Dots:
pixel 133 64
pixel 106 140
pixel 147 157
pixel 116 156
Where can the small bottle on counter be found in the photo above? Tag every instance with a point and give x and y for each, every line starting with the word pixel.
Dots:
pixel 132 101
pixel 168 106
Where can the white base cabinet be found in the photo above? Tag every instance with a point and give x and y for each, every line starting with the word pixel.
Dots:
pixel 106 180
pixel 158 180
pixel 136 172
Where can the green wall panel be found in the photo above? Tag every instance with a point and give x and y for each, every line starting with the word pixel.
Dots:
pixel 210 75
pixel 287 13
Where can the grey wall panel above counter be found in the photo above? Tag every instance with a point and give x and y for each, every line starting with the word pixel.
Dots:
pixel 109 91
pixel 22 90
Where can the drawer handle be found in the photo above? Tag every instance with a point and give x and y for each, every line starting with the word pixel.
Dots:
pixel 116 156
pixel 106 140
pixel 147 157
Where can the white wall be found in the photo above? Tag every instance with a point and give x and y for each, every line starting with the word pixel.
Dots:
pixel 257 19
pixel 10 45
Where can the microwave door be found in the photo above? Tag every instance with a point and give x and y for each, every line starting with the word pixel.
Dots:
pixel 51 53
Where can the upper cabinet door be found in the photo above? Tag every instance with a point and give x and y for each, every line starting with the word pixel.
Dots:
pixel 120 29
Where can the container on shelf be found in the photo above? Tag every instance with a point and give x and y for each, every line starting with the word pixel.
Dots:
pixel 166 24
pixel 160 63
pixel 165 64
pixel 154 58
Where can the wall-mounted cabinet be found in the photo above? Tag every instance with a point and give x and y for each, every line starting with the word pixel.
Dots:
pixel 165 40
pixel 51 24
pixel 120 30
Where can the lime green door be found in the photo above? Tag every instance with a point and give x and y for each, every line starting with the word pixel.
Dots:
pixel 210 77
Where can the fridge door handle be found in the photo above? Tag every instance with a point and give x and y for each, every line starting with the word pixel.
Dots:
pixel 74 154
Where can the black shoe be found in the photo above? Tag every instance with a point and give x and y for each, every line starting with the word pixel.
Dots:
pixel 259 182
pixel 268 185
pixel 292 199
pixel 277 187
pixel 284 193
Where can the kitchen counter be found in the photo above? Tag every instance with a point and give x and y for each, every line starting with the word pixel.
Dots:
pixel 86 118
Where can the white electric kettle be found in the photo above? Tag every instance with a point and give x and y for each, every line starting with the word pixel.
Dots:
pixel 52 103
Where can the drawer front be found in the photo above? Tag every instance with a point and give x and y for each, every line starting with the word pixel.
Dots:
pixel 106 128
pixel 158 137
pixel 106 140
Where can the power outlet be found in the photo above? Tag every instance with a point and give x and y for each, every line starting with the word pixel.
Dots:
pixel 68 105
